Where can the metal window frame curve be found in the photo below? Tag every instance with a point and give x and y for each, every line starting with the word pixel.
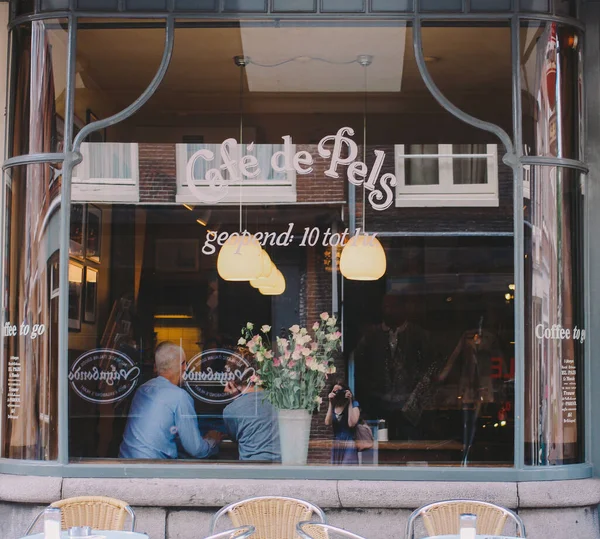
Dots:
pixel 514 158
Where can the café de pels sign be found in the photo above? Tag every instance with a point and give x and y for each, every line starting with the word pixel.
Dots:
pixel 343 153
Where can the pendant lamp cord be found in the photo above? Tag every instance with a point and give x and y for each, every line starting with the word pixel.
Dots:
pixel 365 61
pixel 241 62
pixel 364 201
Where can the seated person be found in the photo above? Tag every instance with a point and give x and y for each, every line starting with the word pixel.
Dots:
pixel 251 420
pixel 162 419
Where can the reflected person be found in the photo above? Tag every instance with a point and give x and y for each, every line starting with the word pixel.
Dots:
pixel 343 414
pixel 162 422
pixel 393 359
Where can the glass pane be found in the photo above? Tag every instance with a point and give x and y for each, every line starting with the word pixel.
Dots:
pixel 552 90
pixel 555 323
pixel 566 7
pixel 30 336
pixel 490 5
pixel 469 170
pixel 40 85
pixel 441 5
pixel 422 170
pixel 472 67
pixel 300 147
pixel 534 5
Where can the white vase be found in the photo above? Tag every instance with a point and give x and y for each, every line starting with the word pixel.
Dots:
pixel 294 433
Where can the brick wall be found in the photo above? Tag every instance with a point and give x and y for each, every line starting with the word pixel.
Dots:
pixel 316 187
pixel 158 181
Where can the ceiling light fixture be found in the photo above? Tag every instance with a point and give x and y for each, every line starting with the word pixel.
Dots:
pixel 276 285
pixel 363 257
pixel 241 256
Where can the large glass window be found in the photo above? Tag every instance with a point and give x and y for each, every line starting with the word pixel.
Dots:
pixel 304 136
pixel 292 231
pixel 31 215
pixel 555 323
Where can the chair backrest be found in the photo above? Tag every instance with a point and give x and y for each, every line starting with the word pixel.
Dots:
pixel 236 533
pixel 318 530
pixel 442 518
pixel 99 512
pixel 273 517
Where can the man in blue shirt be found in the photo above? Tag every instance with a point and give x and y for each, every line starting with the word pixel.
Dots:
pixel 162 419
pixel 251 420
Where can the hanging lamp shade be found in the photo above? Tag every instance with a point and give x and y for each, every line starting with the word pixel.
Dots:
pixel 240 259
pixel 363 259
pixel 268 273
pixel 277 287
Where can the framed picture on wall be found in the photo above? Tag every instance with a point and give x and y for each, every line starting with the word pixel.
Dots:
pixel 77 232
pixel 177 255
pixel 91 295
pixel 93 233
pixel 75 294
pixel 96 136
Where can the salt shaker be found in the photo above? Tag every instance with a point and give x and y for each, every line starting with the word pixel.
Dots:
pixel 468 526
pixel 382 431
pixel 52 523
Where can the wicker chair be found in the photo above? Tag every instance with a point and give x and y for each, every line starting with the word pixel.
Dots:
pixel 317 530
pixel 99 512
pixel 273 517
pixel 235 533
pixel 442 518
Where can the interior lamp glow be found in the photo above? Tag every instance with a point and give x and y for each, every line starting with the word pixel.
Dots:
pixel 363 259
pixel 240 258
pixel 268 274
pixel 277 287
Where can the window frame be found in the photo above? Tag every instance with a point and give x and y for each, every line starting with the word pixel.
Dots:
pixel 85 188
pixel 446 193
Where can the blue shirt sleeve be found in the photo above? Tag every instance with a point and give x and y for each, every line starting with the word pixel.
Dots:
pixel 186 423
pixel 230 424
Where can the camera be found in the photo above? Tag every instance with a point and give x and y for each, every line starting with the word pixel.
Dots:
pixel 340 392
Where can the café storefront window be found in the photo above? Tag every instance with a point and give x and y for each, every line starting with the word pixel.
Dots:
pixel 299 183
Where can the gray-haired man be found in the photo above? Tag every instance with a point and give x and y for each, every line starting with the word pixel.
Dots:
pixel 162 417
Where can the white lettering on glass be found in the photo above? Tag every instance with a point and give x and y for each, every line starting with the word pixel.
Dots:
pixel 557 332
pixel 340 149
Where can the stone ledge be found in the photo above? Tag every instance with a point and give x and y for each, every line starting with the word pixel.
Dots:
pixel 547 494
pixel 201 492
pixel 412 494
pixel 30 489
pixel 329 494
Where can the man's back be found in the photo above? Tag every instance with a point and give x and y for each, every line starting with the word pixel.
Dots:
pixel 160 413
pixel 252 421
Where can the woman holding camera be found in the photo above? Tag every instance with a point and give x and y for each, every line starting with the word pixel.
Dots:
pixel 343 414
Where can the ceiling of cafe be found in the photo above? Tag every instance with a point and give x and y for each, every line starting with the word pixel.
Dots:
pixel 115 65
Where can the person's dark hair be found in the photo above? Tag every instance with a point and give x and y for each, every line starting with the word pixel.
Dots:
pixel 341 382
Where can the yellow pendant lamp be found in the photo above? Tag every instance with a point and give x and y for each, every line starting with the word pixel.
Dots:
pixel 276 286
pixel 240 258
pixel 363 259
pixel 268 272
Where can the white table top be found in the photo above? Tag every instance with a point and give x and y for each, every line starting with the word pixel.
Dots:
pixel 477 537
pixel 98 534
